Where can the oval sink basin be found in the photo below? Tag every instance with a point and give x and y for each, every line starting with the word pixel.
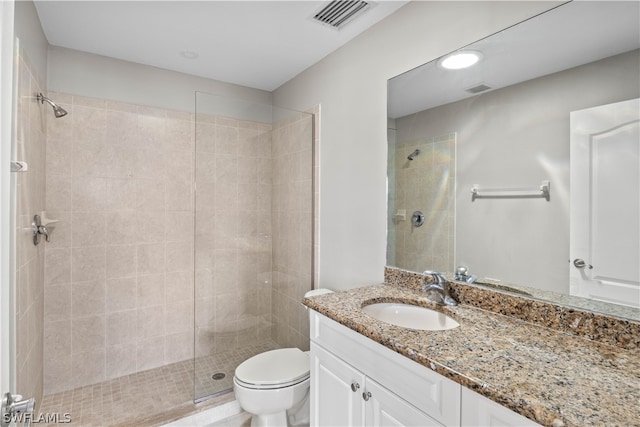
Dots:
pixel 410 316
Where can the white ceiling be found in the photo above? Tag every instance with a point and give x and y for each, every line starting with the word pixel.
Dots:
pixel 570 35
pixel 259 44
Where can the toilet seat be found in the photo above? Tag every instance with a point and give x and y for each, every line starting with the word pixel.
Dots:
pixel 274 369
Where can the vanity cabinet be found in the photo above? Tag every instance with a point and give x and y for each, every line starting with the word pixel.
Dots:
pixel 352 399
pixel 356 381
pixel 397 391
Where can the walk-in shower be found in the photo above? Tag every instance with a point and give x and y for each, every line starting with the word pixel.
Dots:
pixel 183 246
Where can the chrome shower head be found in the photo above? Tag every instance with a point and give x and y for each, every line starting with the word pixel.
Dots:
pixel 414 154
pixel 58 111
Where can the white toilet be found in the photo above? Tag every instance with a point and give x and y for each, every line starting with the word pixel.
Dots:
pixel 274 386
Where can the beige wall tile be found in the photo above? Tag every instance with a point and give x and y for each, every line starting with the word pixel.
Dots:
pixel 151 258
pixel 57 266
pixel 121 261
pixel 87 298
pixel 121 294
pixel 150 290
pixel 87 334
pixel 88 263
pixel 121 328
pixel 57 303
pixel 120 360
pixel 130 278
pixel 150 353
pixel 150 322
pixel 88 367
pixel 179 346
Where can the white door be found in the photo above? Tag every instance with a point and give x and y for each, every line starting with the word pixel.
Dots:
pixel 383 408
pixel 336 391
pixel 7 349
pixel 605 203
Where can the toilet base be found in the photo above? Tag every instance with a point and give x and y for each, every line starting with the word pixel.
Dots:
pixel 279 419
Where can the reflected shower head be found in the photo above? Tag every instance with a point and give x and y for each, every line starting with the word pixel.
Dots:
pixel 58 111
pixel 414 154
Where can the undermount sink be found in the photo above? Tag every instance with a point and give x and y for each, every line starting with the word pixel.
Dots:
pixel 410 316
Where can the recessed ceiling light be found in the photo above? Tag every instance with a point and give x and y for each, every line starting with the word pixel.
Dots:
pixel 460 59
pixel 188 54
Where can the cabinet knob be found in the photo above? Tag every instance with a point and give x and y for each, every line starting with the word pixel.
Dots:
pixel 366 395
pixel 355 386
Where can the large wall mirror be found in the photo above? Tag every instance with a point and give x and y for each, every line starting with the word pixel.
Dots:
pixel 524 167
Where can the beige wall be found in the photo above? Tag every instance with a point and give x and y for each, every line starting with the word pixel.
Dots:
pixel 30 119
pixel 350 84
pixel 292 211
pixel 31 38
pixel 29 259
pixel 87 74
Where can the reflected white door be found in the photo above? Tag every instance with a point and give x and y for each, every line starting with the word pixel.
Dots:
pixel 605 203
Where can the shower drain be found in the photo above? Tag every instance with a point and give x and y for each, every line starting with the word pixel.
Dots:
pixel 218 376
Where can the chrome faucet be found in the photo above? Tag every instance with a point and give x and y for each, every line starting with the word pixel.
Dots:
pixel 440 289
pixel 463 276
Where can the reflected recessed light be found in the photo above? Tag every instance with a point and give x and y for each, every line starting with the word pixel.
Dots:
pixel 460 59
pixel 188 54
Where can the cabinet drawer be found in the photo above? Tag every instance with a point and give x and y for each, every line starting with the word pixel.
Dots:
pixel 434 394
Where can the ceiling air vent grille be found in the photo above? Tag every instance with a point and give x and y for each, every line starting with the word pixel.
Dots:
pixel 479 88
pixel 338 13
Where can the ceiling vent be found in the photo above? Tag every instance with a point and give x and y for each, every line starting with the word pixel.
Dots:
pixel 477 89
pixel 338 13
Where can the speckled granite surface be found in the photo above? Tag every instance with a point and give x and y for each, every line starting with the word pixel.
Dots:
pixel 620 332
pixel 544 374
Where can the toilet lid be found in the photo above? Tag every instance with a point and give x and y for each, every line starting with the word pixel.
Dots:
pixel 285 365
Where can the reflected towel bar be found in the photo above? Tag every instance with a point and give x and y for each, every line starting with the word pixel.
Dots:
pixel 510 193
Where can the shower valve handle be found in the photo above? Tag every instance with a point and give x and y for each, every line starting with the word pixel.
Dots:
pixel 38 230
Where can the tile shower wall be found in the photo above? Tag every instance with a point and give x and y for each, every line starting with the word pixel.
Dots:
pixel 293 218
pixel 253 232
pixel 426 184
pixel 119 294
pixel 119 269
pixel 233 234
pixel 30 200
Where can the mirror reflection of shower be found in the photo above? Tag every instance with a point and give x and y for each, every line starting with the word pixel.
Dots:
pixel 414 154
pixel 58 111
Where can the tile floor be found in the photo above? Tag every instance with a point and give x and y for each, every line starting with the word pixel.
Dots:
pixel 153 397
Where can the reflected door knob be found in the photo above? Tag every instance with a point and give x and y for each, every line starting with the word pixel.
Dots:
pixel 579 263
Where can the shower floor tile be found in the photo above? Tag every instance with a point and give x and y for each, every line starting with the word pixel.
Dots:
pixel 150 398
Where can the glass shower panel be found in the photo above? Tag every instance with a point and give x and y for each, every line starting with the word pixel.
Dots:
pixel 253 235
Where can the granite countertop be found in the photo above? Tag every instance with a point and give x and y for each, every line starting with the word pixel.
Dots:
pixel 551 377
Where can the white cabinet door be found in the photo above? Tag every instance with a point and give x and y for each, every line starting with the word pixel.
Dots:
pixel 336 391
pixel 477 410
pixel 383 408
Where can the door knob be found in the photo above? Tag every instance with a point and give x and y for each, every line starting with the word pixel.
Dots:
pixel 579 263
pixel 355 386
pixel 366 395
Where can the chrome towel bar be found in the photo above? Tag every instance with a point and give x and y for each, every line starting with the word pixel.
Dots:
pixel 509 193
